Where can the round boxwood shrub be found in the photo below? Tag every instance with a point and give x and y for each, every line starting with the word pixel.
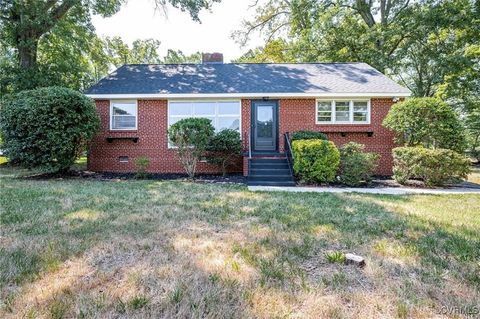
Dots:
pixel 427 122
pixel 356 165
pixel 308 135
pixel 434 167
pixel 47 128
pixel 315 161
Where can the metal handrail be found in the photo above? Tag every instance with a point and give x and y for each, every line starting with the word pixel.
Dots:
pixel 249 145
pixel 288 152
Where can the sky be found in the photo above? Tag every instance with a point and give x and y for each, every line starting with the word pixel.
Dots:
pixel 176 30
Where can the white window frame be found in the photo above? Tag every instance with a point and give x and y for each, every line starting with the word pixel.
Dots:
pixel 333 121
pixel 216 115
pixel 112 102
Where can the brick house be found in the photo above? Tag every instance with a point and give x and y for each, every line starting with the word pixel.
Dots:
pixel 137 103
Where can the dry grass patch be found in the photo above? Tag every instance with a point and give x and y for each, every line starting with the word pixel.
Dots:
pixel 150 249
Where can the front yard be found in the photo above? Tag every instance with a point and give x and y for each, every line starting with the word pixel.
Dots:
pixel 88 248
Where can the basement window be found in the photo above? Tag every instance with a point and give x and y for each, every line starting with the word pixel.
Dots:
pixel 123 159
pixel 343 112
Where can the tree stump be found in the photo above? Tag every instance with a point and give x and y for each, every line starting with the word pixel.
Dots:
pixel 352 259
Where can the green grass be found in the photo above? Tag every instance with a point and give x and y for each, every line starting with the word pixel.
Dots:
pixel 88 248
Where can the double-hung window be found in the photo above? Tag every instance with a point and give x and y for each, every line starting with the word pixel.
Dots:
pixel 361 111
pixel 343 112
pixel 123 115
pixel 222 114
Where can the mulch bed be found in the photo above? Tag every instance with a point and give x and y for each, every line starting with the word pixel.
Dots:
pixel 111 176
pixel 235 178
pixel 382 182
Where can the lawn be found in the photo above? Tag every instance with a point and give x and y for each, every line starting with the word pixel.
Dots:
pixel 89 248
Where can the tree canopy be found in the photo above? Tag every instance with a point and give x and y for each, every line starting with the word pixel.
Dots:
pixel 431 47
pixel 48 41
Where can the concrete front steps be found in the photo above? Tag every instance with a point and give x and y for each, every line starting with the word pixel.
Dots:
pixel 272 171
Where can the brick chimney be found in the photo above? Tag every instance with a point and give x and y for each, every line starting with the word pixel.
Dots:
pixel 212 58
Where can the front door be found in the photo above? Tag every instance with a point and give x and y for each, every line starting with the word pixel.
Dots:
pixel 264 125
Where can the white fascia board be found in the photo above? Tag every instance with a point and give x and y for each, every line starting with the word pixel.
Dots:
pixel 244 95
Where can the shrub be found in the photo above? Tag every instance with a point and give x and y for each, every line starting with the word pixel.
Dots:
pixel 426 121
pixel 191 136
pixel 356 165
pixel 141 164
pixel 433 166
pixel 47 128
pixel 308 135
pixel 315 161
pixel 224 148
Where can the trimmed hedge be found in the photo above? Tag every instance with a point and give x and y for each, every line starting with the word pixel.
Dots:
pixel 316 161
pixel 356 165
pixel 47 128
pixel 308 135
pixel 434 167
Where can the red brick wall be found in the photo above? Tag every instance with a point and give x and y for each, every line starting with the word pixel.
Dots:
pixel 299 114
pixel 294 115
pixel 152 143
pixel 246 117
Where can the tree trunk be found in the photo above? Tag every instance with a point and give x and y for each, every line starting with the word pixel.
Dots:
pixel 27 52
pixel 31 21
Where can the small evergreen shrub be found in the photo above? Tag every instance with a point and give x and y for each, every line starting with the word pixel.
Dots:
pixel 47 128
pixel 308 135
pixel 434 167
pixel 191 137
pixel 356 165
pixel 224 149
pixel 141 165
pixel 316 161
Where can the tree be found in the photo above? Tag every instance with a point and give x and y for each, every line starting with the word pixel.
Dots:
pixel 191 137
pixel 224 149
pixel 24 24
pixel 428 122
pixel 461 89
pixel 145 51
pixel 335 30
pixel 417 43
pixel 274 51
pixel 428 46
pixel 142 51
pixel 435 48
pixel 6 64
pixel 117 50
pixel 178 57
pixel 47 128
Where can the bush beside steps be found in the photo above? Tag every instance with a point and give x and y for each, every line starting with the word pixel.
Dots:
pixel 316 161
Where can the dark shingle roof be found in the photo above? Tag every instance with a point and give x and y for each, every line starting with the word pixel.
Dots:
pixel 315 78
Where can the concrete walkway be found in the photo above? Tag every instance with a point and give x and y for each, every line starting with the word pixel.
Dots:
pixel 379 190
